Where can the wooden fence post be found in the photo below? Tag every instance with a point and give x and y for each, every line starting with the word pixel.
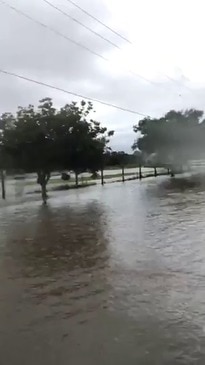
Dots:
pixel 140 171
pixel 3 190
pixel 76 179
pixel 123 174
pixel 102 177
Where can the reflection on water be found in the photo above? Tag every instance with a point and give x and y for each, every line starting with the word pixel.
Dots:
pixel 109 275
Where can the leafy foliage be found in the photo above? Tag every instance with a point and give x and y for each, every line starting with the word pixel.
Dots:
pixel 48 139
pixel 173 139
pixel 122 159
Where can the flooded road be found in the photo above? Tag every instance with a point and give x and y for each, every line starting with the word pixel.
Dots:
pixel 107 275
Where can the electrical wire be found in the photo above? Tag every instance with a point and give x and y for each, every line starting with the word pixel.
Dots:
pixel 120 36
pixel 80 23
pixel 99 21
pixel 100 36
pixel 20 12
pixel 71 93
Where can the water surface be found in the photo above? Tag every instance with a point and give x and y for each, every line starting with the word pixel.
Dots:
pixel 107 275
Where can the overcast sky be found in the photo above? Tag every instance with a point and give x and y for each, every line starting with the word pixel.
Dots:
pixel 167 37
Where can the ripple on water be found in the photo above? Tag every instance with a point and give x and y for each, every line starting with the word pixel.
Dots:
pixel 105 275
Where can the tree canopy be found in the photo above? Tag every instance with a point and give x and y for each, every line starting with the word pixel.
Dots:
pixel 121 159
pixel 174 138
pixel 46 139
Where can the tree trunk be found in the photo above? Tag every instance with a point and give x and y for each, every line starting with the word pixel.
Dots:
pixel 43 177
pixel 102 177
pixel 76 179
pixel 123 174
pixel 3 190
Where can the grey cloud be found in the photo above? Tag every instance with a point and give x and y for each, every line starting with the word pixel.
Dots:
pixel 30 50
pixel 29 47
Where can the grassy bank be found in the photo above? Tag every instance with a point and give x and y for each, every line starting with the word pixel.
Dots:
pixel 72 186
pixel 60 186
pixel 82 180
pixel 63 187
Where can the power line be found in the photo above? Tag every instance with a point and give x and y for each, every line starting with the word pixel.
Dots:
pixel 18 11
pixel 71 93
pixel 45 26
pixel 81 24
pixel 99 21
pixel 98 35
pixel 119 35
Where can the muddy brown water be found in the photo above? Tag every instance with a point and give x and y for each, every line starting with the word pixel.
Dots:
pixel 112 275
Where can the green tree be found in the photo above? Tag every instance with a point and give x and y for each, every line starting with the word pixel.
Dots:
pixel 47 139
pixel 173 139
pixel 121 158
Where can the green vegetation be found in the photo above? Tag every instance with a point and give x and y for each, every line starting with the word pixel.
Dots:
pixel 72 186
pixel 45 139
pixel 82 180
pixel 114 159
pixel 173 140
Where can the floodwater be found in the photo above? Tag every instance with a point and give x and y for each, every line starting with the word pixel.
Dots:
pixel 106 275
